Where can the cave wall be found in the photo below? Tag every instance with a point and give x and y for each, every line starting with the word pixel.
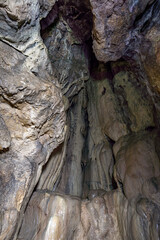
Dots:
pixel 79 120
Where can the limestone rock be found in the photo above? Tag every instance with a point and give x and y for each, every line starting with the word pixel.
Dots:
pixel 46 60
pixel 138 164
pixel 69 64
pixel 52 216
pixel 71 181
pixel 128 29
pixel 78 16
pixel 33 112
pixel 134 101
pixel 5 139
pixel 99 164
pixel 151 58
pixel 20 29
pixel 52 170
pixel 46 7
pixel 110 116
pixel 116 20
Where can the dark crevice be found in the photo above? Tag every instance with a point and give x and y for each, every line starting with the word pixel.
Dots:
pixel 98 70
pixel 80 20
pixel 114 184
pixel 111 142
pixel 85 152
pixel 143 20
pixel 79 17
pixel 48 22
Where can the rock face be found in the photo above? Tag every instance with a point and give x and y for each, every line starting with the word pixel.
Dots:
pixel 137 163
pixel 79 120
pixel 51 216
pixel 131 27
pixel 32 112
pixel 119 21
pixel 70 66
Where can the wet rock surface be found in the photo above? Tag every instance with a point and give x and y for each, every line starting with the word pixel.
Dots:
pixel 63 217
pixel 137 163
pixel 79 126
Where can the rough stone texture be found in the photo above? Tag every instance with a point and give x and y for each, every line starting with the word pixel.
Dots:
pixel 70 66
pixel 72 174
pixel 5 139
pixel 51 216
pixel 32 111
pixel 117 109
pixel 151 57
pixel 46 7
pixel 99 166
pixel 51 171
pixel 78 16
pixel 116 20
pixel 110 117
pixel 128 28
pixel 20 29
pixel 137 164
pixel 137 106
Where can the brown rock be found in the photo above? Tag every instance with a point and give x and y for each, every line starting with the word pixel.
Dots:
pixel 20 29
pixel 69 64
pixel 34 116
pixel 151 57
pixel 52 216
pixel 5 139
pixel 113 26
pixel 137 163
pixel 110 118
pixel 34 158
pixel 136 104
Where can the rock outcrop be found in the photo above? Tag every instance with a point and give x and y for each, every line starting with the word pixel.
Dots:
pixel 137 163
pixel 32 111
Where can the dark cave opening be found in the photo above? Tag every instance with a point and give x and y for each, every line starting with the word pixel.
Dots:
pixel 78 15
pixel 80 19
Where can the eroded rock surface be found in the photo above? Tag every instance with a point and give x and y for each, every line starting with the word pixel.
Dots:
pixel 70 66
pixel 51 216
pixel 137 164
pixel 76 123
pixel 118 21
pixel 5 139
pixel 32 111
pixel 128 28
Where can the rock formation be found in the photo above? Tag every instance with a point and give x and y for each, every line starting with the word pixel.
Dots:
pixel 79 120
